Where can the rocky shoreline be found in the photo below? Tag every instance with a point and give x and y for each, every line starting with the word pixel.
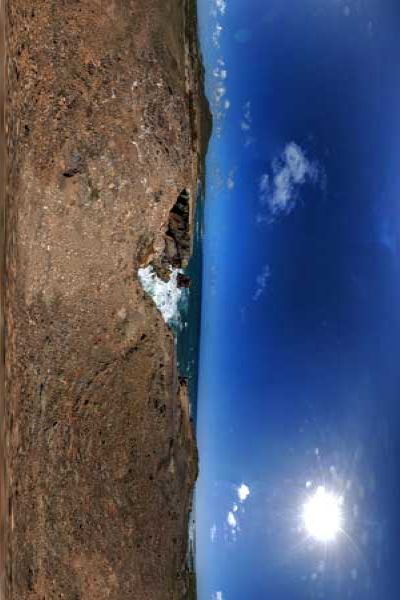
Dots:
pixel 2 202
pixel 107 127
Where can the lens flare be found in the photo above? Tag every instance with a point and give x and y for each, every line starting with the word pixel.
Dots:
pixel 322 515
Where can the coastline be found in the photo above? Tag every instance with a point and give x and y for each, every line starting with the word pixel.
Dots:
pixel 2 292
pixel 100 447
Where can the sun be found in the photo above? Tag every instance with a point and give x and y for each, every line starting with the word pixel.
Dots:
pixel 323 515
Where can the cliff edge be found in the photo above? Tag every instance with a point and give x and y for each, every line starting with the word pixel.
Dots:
pixel 107 124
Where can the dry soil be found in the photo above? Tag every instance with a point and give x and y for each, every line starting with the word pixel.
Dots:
pixel 106 126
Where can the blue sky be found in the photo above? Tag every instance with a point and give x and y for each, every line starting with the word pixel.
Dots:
pixel 299 378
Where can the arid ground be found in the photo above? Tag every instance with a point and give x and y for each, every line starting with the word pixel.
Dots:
pixel 106 126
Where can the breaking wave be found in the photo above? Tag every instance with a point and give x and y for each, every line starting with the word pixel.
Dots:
pixel 167 295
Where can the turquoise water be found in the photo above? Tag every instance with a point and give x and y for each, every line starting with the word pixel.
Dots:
pixel 188 347
pixel 188 333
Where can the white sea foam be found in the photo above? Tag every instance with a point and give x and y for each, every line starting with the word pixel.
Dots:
pixel 165 294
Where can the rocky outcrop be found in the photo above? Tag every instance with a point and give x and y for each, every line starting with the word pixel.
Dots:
pixel 100 454
pixel 2 281
pixel 177 238
pixel 183 281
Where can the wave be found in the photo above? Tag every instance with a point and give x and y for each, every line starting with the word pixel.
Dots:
pixel 166 295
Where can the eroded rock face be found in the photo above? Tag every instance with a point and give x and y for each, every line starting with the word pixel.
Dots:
pixel 183 281
pixel 178 232
pixel 177 238
pixel 102 139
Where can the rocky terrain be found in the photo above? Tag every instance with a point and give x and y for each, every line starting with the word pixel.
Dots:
pixel 2 201
pixel 106 129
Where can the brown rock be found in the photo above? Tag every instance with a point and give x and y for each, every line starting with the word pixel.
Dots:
pixel 105 130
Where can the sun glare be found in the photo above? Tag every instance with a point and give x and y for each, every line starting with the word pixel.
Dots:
pixel 322 515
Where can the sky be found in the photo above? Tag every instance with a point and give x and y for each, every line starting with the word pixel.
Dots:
pixel 299 381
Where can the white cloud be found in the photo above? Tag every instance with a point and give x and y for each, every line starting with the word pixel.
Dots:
pixel 298 165
pixel 217 596
pixel 213 533
pixel 218 7
pixel 219 101
pixel 232 525
pixel 264 188
pixel 216 36
pixel 230 182
pixel 220 73
pixel 231 520
pixel 262 280
pixel 246 121
pixel 291 170
pixel 243 492
pixel 221 6
pixel 219 92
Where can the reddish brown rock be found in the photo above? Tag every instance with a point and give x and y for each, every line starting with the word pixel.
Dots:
pixel 105 130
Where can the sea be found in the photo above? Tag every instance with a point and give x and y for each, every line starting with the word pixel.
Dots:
pixel 188 325
pixel 181 307
pixel 187 328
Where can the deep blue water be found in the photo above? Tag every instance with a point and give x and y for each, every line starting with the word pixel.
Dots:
pixel 300 338
pixel 188 333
